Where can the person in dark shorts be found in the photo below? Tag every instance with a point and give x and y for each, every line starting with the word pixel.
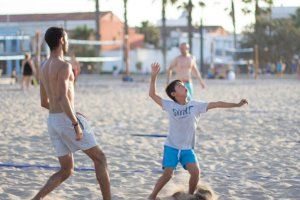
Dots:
pixel 28 70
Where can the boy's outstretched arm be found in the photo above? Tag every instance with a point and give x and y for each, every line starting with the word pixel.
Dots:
pixel 221 104
pixel 152 91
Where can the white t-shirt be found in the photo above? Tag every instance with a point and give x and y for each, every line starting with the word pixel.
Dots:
pixel 183 121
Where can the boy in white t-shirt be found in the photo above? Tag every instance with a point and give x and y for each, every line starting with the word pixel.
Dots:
pixel 183 118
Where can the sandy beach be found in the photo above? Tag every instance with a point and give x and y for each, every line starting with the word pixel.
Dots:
pixel 251 152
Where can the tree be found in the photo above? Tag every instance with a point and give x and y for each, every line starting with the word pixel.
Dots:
pixel 188 7
pixel 232 14
pixel 202 67
pixel 83 33
pixel 151 33
pixel 261 37
pixel 163 29
pixel 258 11
pixel 98 29
pixel 233 19
pixel 260 24
pixel 285 40
pixel 126 47
pixel 282 43
pixel 296 18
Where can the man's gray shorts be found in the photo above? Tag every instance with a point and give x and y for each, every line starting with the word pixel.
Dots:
pixel 62 134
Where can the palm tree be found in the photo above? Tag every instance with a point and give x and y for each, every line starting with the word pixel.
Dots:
pixel 97 20
pixel 258 49
pixel 83 33
pixel 126 40
pixel 296 18
pixel 188 7
pixel 201 65
pixel 258 10
pixel 163 29
pixel 232 14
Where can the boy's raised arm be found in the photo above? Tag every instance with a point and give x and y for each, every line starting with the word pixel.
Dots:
pixel 221 104
pixel 152 91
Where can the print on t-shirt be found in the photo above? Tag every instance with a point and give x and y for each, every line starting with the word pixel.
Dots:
pixel 182 112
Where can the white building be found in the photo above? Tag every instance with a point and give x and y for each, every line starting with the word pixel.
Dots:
pixel 28 25
pixel 283 12
pixel 218 43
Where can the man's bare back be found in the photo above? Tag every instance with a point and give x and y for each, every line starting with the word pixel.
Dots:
pixel 50 72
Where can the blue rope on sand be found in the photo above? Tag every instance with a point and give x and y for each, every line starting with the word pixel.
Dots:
pixel 48 167
pixel 149 135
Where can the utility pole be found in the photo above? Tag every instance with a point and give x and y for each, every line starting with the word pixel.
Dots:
pixel 97 20
pixel 190 25
pixel 37 53
pixel 201 47
pixel 126 46
pixel 256 61
pixel 163 34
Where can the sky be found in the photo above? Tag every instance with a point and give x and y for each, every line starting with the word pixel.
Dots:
pixel 140 10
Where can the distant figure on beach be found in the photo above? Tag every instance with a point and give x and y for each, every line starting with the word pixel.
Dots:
pixel 185 66
pixel 294 66
pixel 280 68
pixel 183 119
pixel 230 73
pixel 14 76
pixel 250 69
pixel 69 131
pixel 268 68
pixel 75 67
pixel 28 70
pixel 273 68
pixel 283 68
pixel 115 71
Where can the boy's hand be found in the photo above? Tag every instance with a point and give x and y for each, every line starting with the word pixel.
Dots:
pixel 242 102
pixel 155 69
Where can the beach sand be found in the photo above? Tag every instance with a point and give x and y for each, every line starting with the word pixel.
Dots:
pixel 251 152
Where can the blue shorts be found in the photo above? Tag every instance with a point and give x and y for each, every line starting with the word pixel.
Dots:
pixel 189 87
pixel 172 156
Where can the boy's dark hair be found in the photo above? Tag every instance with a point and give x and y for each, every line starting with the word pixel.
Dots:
pixel 171 88
pixel 53 35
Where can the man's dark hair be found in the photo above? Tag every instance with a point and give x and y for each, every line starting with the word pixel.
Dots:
pixel 171 88
pixel 53 35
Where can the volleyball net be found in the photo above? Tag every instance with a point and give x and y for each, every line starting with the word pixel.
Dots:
pixel 10 59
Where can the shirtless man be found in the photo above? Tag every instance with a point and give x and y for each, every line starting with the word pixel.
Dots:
pixel 184 66
pixel 68 131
